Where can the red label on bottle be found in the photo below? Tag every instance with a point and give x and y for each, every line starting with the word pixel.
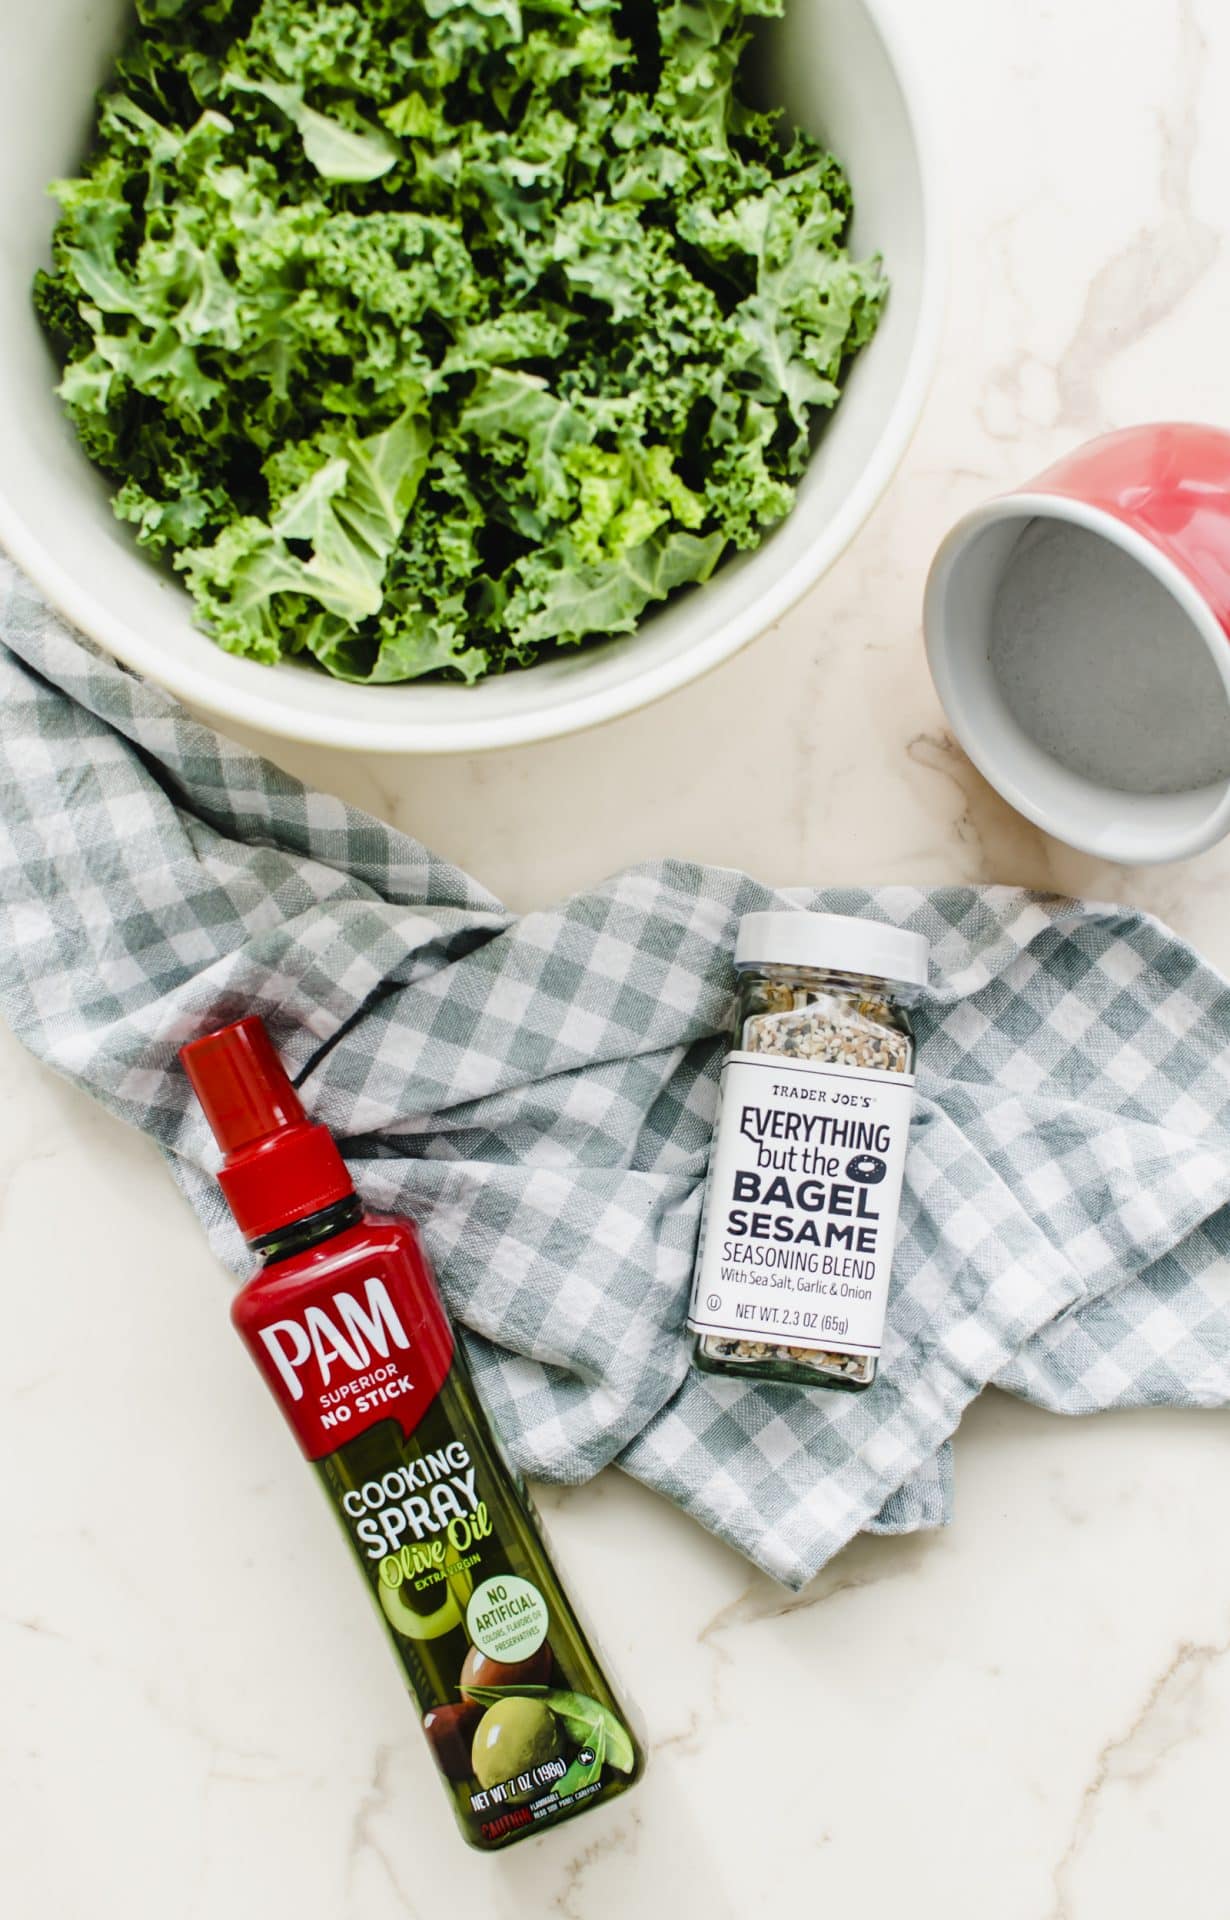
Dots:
pixel 348 1335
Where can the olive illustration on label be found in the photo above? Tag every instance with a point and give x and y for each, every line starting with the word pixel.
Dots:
pixel 450 1729
pixel 419 1626
pixel 479 1670
pixel 867 1168
pixel 515 1736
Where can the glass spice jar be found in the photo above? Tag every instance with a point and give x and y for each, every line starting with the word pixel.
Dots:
pixel 796 1243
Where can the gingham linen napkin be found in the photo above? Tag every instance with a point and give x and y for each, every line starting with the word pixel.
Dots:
pixel 539 1092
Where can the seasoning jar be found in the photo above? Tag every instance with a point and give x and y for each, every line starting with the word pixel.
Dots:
pixel 792 1271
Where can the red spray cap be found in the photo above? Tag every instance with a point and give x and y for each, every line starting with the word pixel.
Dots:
pixel 277 1165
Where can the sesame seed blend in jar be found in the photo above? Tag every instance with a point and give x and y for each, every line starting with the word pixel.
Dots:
pixel 792 1273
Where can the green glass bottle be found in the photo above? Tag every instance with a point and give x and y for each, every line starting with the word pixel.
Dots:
pixel 345 1322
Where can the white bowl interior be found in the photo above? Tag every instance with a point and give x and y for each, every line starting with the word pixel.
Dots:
pixel 828 62
pixel 1132 828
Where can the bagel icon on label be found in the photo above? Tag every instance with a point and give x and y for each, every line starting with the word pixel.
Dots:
pixel 867 1168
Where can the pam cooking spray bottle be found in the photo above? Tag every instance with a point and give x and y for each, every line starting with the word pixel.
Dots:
pixel 345 1322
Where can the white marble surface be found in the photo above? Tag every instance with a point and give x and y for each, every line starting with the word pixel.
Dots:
pixel 1027 1716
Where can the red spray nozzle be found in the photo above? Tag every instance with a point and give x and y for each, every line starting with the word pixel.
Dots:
pixel 242 1085
pixel 277 1165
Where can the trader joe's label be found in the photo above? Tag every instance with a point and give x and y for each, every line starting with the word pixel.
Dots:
pixel 801 1208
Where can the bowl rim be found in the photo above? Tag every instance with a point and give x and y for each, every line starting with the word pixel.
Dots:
pixel 580 711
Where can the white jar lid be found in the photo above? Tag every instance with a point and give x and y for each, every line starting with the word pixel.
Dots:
pixel 837 942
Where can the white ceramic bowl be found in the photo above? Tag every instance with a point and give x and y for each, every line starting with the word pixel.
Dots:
pixel 837 69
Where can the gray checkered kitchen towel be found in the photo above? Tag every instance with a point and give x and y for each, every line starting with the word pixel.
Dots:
pixel 539 1092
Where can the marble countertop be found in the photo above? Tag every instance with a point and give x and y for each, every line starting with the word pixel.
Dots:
pixel 1026 1716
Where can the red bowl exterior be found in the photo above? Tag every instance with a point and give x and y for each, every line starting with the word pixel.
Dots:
pixel 1169 482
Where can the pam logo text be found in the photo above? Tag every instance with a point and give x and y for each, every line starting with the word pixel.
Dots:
pixel 348 1333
